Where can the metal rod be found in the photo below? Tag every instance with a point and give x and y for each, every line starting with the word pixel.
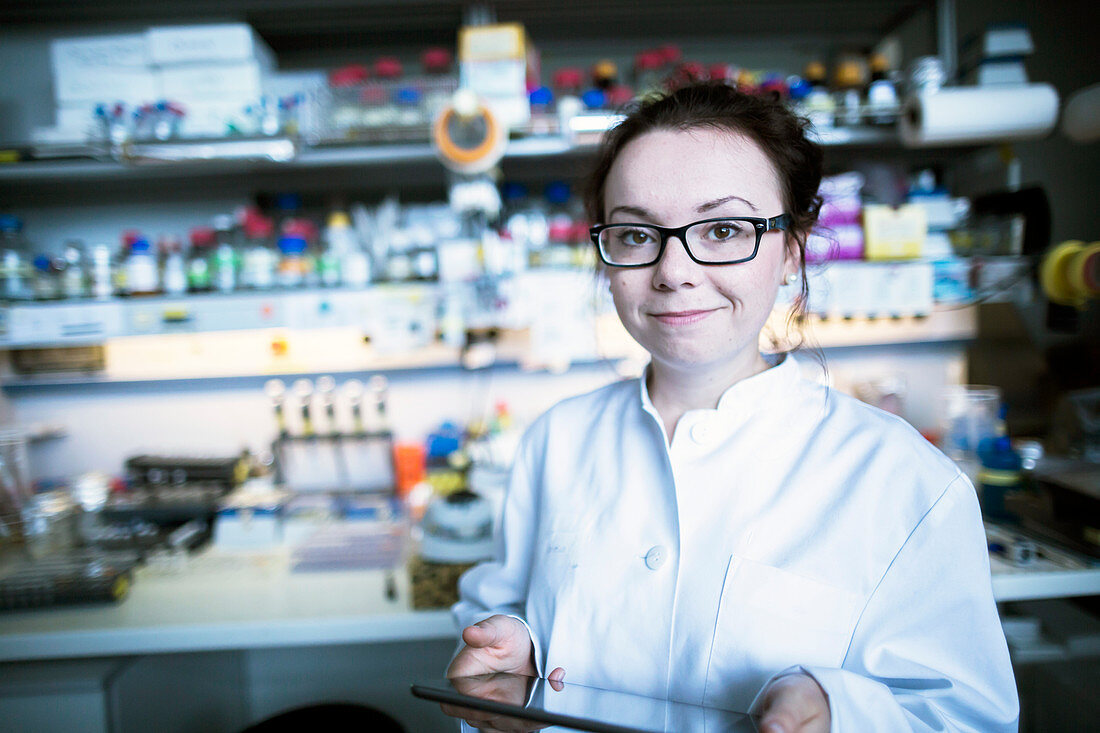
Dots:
pixel 947 38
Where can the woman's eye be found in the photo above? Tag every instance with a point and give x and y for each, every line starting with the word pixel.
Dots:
pixel 724 231
pixel 636 237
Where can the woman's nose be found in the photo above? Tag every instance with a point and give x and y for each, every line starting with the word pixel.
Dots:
pixel 676 269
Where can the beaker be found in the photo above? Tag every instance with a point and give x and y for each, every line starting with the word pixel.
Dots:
pixel 969 416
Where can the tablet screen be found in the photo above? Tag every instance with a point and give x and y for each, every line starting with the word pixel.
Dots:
pixel 518 703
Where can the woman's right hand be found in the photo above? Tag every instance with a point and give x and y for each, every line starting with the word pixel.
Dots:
pixel 497 644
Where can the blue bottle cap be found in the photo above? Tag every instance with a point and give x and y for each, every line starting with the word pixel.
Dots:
pixel 407 95
pixel 512 191
pixel 557 192
pixel 798 88
pixel 541 95
pixel 291 244
pixel 42 263
pixel 140 246
pixel 594 99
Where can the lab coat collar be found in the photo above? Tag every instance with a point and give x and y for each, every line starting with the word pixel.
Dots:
pixel 747 395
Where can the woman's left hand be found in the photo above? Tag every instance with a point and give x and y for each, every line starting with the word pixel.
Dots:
pixel 794 703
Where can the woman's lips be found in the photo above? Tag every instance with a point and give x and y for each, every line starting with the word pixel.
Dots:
pixel 681 318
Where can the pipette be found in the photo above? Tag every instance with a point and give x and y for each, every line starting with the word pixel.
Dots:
pixel 379 386
pixel 326 386
pixel 353 392
pixel 276 392
pixel 303 390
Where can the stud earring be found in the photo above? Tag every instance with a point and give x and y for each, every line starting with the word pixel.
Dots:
pixel 790 278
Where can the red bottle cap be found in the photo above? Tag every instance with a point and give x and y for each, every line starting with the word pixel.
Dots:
pixel 348 76
pixel 720 72
pixel 568 79
pixel 648 61
pixel 259 227
pixel 203 237
pixel 670 53
pixel 436 60
pixel 619 95
pixel 387 67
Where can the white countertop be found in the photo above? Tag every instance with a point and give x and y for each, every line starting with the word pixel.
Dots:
pixel 218 601
pixel 222 601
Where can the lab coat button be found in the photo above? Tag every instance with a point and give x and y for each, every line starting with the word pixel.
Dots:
pixel 655 558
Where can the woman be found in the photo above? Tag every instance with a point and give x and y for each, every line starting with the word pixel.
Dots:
pixel 721 531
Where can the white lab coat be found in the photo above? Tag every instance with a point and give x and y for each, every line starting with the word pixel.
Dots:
pixel 792 527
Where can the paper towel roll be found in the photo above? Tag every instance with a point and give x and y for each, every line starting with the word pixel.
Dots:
pixel 966 115
pixel 1081 117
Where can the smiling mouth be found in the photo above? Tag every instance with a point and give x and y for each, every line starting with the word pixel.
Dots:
pixel 677 318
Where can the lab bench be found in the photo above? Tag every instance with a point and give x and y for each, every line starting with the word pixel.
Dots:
pixel 219 642
pixel 246 637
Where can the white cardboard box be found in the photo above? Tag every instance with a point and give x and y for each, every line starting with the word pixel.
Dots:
pixel 125 50
pixel 242 80
pixel 210 118
pixel 105 84
pixel 186 44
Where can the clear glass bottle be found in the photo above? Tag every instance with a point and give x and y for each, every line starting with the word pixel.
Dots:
pixel 47 278
pixel 882 94
pixel 199 267
pixel 101 273
pixel 173 268
pixel 16 270
pixel 76 277
pixel 259 261
pixel 226 258
pixel 818 105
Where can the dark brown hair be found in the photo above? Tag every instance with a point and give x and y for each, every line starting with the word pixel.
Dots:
pixel 765 120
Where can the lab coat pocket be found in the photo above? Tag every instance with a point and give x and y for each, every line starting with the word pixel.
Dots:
pixel 560 554
pixel 769 619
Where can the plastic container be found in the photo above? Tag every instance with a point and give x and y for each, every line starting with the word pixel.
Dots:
pixel 142 277
pixel 1000 473
pixel 294 265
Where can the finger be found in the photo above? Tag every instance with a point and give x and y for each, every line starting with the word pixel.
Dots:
pixel 482 634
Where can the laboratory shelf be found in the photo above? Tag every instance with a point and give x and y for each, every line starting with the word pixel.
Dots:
pixel 185 159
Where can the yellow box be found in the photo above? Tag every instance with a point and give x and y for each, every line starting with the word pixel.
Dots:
pixel 492 42
pixel 894 234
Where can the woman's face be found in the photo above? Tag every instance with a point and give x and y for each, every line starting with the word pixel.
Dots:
pixel 693 317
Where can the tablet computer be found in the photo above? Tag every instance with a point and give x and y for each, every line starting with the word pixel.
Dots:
pixel 509 702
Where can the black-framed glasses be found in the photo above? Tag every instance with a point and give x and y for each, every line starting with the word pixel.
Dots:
pixel 728 240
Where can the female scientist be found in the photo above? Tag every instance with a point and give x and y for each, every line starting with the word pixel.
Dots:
pixel 721 531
